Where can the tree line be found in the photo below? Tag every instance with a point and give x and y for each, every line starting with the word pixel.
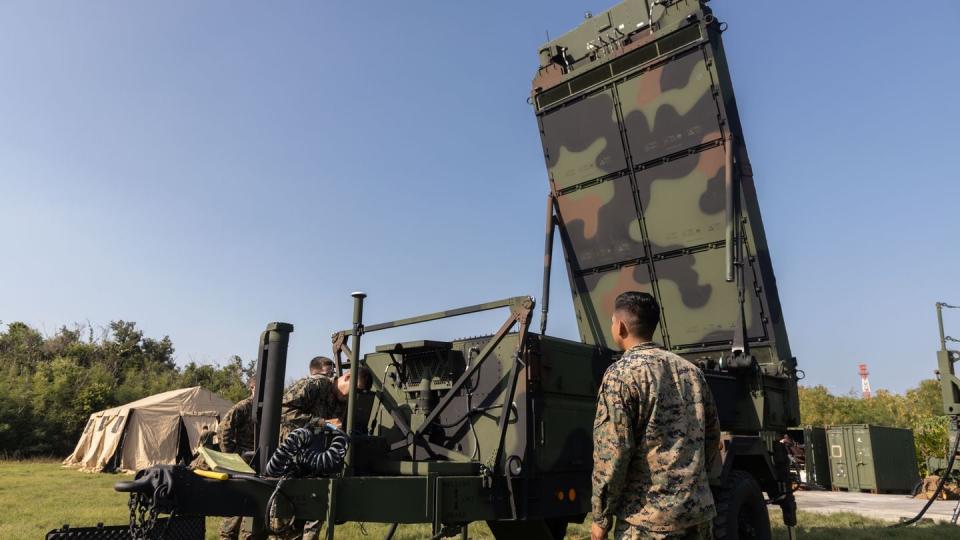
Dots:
pixel 919 409
pixel 49 385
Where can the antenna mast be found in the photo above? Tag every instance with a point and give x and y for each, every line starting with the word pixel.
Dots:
pixel 864 381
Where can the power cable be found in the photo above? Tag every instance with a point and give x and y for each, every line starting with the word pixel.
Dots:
pixel 940 484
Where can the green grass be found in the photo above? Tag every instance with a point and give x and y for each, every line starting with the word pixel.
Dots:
pixel 37 496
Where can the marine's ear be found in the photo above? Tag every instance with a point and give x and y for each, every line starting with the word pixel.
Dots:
pixel 619 328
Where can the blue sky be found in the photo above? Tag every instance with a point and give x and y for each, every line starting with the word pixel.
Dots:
pixel 204 168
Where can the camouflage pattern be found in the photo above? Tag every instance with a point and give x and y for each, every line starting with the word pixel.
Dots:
pixel 237 435
pixel 311 530
pixel 300 530
pixel 197 462
pixel 637 155
pixel 231 528
pixel 236 431
pixel 295 532
pixel 205 440
pixel 646 216
pixel 625 531
pixel 310 402
pixel 655 434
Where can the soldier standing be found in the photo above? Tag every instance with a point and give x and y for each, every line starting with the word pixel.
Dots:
pixel 206 438
pixel 237 435
pixel 655 435
pixel 314 401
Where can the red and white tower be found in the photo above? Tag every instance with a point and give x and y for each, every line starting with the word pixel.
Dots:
pixel 864 381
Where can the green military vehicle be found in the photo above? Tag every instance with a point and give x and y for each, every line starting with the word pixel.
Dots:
pixel 947 468
pixel 650 188
pixel 950 395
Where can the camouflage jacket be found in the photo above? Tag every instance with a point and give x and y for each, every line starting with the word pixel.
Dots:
pixel 310 402
pixel 655 433
pixel 236 431
pixel 205 440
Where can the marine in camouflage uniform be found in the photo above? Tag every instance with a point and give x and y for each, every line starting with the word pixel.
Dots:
pixel 655 433
pixel 205 440
pixel 311 402
pixel 236 431
pixel 329 368
pixel 237 435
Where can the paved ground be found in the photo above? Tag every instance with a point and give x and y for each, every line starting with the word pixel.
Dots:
pixel 888 507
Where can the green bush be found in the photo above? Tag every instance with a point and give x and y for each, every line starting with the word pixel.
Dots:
pixel 50 385
pixel 930 436
pixel 918 409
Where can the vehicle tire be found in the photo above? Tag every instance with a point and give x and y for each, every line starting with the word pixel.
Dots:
pixel 741 509
pixel 558 528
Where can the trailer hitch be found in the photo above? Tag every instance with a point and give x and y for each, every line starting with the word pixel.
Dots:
pixel 146 481
pixel 155 483
pixel 150 495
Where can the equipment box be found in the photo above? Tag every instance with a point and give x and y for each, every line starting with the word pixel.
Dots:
pixel 816 462
pixel 872 458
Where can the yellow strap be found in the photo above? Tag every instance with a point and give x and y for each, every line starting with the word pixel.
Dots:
pixel 211 474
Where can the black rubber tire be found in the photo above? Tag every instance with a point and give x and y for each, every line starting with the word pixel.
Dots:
pixel 558 528
pixel 741 509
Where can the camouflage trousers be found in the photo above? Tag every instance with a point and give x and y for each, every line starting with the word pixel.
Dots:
pixel 230 529
pixel 311 530
pixel 625 531
pixel 301 530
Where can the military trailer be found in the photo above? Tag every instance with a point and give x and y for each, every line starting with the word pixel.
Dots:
pixel 650 189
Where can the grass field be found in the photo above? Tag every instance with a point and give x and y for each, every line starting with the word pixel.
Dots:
pixel 37 496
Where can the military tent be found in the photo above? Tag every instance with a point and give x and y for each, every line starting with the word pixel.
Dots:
pixel 159 429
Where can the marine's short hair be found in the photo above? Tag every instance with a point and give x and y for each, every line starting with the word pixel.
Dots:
pixel 639 311
pixel 364 378
pixel 318 363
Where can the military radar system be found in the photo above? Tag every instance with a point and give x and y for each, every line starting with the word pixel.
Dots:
pixel 650 188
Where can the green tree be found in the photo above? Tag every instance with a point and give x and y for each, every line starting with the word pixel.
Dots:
pixel 917 409
pixel 21 347
pixel 50 385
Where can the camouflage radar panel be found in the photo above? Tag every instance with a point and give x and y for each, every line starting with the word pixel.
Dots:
pixel 651 179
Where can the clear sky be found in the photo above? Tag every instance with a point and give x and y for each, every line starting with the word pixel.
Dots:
pixel 204 168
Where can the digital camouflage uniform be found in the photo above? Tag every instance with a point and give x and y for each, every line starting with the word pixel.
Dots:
pixel 205 440
pixel 310 402
pixel 655 432
pixel 237 431
pixel 237 435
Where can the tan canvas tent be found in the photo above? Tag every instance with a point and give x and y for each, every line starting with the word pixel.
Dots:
pixel 150 431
